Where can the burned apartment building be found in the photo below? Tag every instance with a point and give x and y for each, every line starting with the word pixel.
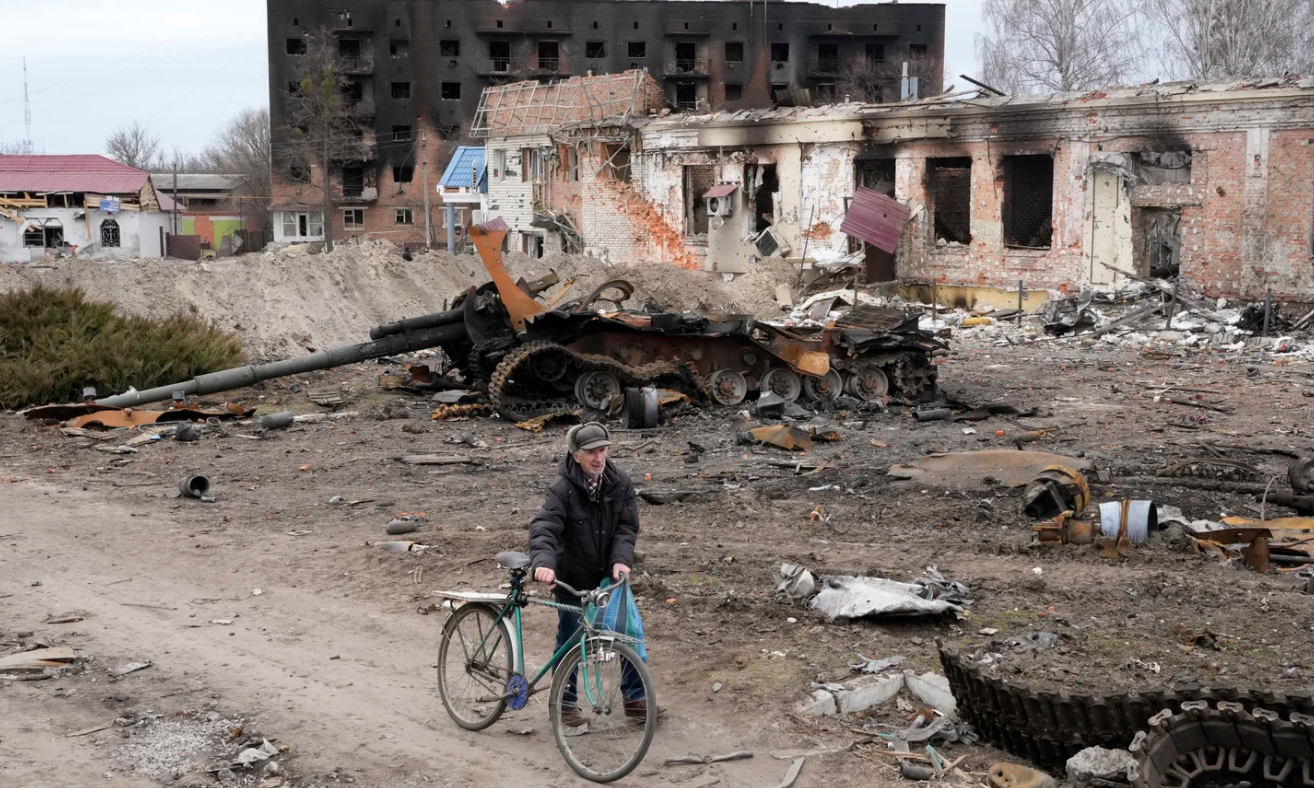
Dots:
pixel 417 69
pixel 1215 182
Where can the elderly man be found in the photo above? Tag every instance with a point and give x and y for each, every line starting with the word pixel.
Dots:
pixel 584 533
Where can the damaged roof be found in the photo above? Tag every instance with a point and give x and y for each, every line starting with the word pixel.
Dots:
pixel 80 173
pixel 460 172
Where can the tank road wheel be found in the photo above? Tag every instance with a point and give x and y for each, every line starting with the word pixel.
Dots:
pixel 826 388
pixel 549 367
pixel 727 387
pixel 868 384
pixel 596 390
pixel 782 382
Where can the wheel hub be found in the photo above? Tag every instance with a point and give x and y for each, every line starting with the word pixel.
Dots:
pixel 517 690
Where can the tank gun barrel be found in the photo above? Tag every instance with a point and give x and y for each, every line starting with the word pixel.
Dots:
pixel 238 377
pixel 417 323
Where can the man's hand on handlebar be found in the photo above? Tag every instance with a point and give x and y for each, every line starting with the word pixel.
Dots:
pixel 546 576
pixel 617 570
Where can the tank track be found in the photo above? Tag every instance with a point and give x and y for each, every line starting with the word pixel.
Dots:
pixel 1227 745
pixel 518 407
pixel 912 375
pixel 1048 727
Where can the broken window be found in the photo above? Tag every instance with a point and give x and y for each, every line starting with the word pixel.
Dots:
pixel 595 49
pixel 403 216
pixel 302 225
pixel 353 93
pixel 401 90
pixel 686 96
pixel 826 92
pixel 349 48
pixel 950 188
pixel 1164 167
pixel 734 51
pixel 764 186
pixel 917 50
pixel 294 88
pixel 451 91
pixel 353 219
pixel 401 133
pixel 531 165
pixel 734 91
pixel 500 53
pixel 549 56
pixel 60 200
pixel 404 173
pixel 617 165
pixel 34 237
pixel 353 181
pixel 780 53
pixel 449 48
pixel 400 48
pixel 109 233
pixel 828 58
pixel 1161 242
pixel 499 164
pixel 638 49
pixel 569 158
pixel 1028 201
pixel 698 180
pixel 296 46
pixel 686 56
pixel 531 245
pixel 875 52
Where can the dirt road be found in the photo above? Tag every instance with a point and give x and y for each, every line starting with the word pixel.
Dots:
pixel 345 681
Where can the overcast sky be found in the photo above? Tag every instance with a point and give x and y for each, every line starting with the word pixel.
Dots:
pixel 182 67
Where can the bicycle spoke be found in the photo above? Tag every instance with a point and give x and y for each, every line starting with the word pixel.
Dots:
pixel 474 666
pixel 614 742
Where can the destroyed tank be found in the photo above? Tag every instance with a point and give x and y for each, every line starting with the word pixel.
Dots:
pixel 532 360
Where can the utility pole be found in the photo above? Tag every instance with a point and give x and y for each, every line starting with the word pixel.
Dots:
pixel 326 224
pixel 176 228
pixel 27 115
pixel 424 170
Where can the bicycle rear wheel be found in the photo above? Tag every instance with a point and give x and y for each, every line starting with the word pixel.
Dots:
pixel 614 737
pixel 474 665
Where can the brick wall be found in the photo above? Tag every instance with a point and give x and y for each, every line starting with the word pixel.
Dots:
pixel 533 108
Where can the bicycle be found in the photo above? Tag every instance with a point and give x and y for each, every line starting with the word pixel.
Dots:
pixel 593 671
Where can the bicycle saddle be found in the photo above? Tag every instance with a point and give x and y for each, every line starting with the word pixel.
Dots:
pixel 512 560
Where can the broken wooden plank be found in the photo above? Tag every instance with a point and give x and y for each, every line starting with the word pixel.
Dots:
pixel 89 731
pixel 439 459
pixel 40 659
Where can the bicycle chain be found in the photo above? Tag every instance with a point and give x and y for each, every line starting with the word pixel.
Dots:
pixel 1048 727
pixel 521 408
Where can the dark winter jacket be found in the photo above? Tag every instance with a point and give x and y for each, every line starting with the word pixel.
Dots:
pixel 578 538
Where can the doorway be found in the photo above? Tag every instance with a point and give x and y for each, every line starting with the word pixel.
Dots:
pixel 877 175
pixel 1110 228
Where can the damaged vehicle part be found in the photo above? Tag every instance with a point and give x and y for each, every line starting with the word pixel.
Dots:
pixel 846 596
pixel 1056 490
pixel 1008 467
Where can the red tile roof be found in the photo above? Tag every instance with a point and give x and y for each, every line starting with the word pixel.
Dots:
pixel 69 174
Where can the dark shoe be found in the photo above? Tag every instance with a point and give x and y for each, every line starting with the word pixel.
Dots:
pixel 573 717
pixel 636 709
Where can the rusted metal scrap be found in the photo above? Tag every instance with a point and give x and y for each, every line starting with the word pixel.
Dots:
pixel 1008 467
pixel 108 417
pixel 789 437
pixel 444 412
pixel 1055 490
pixel 536 424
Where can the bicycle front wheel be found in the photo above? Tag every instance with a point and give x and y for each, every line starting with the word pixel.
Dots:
pixel 603 709
pixel 474 665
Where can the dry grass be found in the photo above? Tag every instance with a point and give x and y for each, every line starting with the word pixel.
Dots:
pixel 53 343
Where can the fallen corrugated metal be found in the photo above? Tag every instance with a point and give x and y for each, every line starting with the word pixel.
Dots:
pixel 876 219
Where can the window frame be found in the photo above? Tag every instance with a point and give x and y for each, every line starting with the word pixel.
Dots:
pixel 353 218
pixel 398 214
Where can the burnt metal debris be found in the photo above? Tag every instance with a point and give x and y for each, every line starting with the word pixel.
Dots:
pixel 532 362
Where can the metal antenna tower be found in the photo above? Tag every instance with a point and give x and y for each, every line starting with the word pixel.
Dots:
pixel 27 114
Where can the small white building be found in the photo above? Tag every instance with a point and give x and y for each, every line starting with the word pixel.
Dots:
pixel 85 206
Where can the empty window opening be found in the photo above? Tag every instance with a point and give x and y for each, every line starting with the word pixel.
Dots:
pixel 638 49
pixel 686 96
pixel 1028 201
pixel 765 185
pixel 780 53
pixel 595 49
pixel 1163 167
pixel 875 52
pixel 396 23
pixel 294 88
pixel 353 93
pixel 569 158
pixel 686 25
pixel 919 28
pixel 449 48
pixel 549 24
pixel 950 182
pixel 531 245
pixel 62 200
pixel 686 56
pixel 777 88
pixel 734 91
pixel 734 25
pixel 917 50
pixel 403 216
pixel 698 180
pixel 296 46
pixel 296 21
pixel 829 27
pixel 617 166
pixel 636 25
pixel 499 164
pixel 400 48
pixel 448 23
pixel 353 181
pixel 349 47
pixel 401 90
pixel 734 51
pixel 500 53
pixel 780 26
pixel 109 233
pixel 828 58
pixel 403 173
pixel 826 92
pixel 499 23
pixel 595 25
pixel 401 133
pixel 531 165
pixel 353 219
pixel 549 58
pixel 451 91
pixel 1160 234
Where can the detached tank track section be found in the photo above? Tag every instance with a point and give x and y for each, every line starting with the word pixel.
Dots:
pixel 1048 727
pixel 911 374
pixel 519 407
pixel 1227 745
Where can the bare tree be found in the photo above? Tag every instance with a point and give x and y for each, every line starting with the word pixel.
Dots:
pixel 12 148
pixel 1040 46
pixel 323 125
pixel 868 80
pixel 241 150
pixel 135 146
pixel 1231 39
